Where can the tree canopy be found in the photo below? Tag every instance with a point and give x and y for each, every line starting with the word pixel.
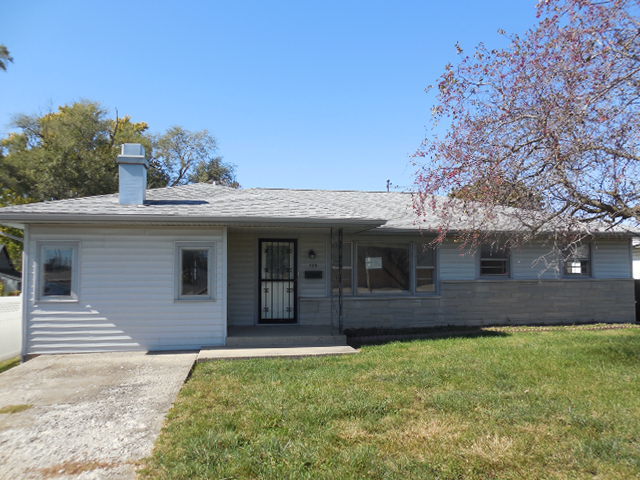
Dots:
pixel 555 113
pixel 72 153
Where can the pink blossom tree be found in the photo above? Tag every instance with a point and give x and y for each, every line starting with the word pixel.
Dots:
pixel 549 124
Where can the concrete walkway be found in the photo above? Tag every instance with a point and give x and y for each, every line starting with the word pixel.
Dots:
pixel 237 353
pixel 86 416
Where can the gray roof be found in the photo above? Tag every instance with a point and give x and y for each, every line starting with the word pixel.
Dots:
pixel 215 204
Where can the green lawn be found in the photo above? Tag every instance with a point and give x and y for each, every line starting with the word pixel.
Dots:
pixel 561 404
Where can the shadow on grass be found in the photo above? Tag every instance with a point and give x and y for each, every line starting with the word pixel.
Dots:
pixel 371 336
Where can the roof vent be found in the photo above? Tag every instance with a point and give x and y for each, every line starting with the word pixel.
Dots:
pixel 133 166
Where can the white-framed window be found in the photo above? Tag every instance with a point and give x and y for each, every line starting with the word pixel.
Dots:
pixel 425 269
pixel 577 260
pixel 347 270
pixel 494 260
pixel 194 271
pixel 57 271
pixel 383 268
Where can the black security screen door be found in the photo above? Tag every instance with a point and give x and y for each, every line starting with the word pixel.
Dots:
pixel 277 281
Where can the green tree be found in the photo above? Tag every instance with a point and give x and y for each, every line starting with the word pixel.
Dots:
pixel 5 57
pixel 69 153
pixel 190 157
pixel 11 237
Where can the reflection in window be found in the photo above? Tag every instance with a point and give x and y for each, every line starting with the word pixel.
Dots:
pixel 383 269
pixel 577 260
pixel 347 269
pixel 425 269
pixel 195 272
pixel 494 260
pixel 57 271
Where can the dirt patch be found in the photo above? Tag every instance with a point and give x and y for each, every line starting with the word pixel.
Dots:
pixel 74 468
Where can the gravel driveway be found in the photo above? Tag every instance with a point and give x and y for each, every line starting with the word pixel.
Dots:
pixel 91 416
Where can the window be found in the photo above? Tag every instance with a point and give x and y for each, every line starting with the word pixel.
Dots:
pixel 425 269
pixel 494 260
pixel 577 260
pixel 347 269
pixel 194 272
pixel 58 271
pixel 383 269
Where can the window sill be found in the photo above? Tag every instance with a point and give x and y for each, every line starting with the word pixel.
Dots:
pixel 194 300
pixel 57 300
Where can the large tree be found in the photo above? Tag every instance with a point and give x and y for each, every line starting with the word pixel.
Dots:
pixel 72 153
pixel 191 157
pixel 68 153
pixel 556 113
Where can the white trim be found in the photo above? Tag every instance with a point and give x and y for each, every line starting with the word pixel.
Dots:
pixel 26 289
pixel 211 268
pixel 75 272
pixel 493 276
pixel 563 263
pixel 225 281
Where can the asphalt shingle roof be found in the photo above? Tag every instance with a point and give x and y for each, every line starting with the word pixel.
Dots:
pixel 205 202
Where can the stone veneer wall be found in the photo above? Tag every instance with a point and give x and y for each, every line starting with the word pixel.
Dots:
pixel 510 302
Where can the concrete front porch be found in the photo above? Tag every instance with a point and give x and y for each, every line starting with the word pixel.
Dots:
pixel 274 336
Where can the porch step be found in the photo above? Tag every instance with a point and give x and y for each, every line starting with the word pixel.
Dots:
pixel 283 336
pixel 223 353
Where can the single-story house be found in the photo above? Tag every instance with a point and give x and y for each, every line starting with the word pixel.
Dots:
pixel 10 278
pixel 182 267
pixel 636 258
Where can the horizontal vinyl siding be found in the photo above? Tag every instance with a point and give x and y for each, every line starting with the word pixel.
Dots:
pixel 611 258
pixel 242 278
pixel 312 287
pixel 531 262
pixel 455 263
pixel 243 271
pixel 126 294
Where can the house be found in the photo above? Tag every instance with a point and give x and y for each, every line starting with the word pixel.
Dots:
pixel 10 278
pixel 197 265
pixel 636 258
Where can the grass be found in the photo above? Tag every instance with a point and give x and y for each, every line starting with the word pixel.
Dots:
pixel 10 363
pixel 15 408
pixel 558 404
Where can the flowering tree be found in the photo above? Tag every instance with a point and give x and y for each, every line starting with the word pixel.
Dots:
pixel 549 124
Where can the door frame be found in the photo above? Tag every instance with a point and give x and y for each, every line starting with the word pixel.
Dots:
pixel 287 321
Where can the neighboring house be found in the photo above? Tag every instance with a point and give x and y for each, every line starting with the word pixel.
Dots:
pixel 177 268
pixel 9 276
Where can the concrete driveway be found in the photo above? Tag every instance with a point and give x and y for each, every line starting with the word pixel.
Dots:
pixel 91 415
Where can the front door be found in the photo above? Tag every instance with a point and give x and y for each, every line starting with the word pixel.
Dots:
pixel 277 281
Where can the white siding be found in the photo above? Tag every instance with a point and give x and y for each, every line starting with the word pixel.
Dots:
pixel 126 297
pixel 456 264
pixel 243 270
pixel 537 261
pixel 612 258
pixel 636 263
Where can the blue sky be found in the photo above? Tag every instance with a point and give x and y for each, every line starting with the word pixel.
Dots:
pixel 305 94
